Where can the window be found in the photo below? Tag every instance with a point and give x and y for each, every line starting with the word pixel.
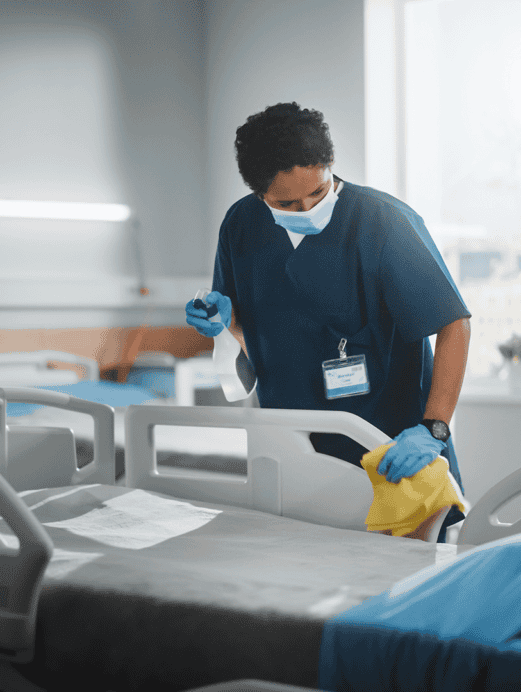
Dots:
pixel 456 152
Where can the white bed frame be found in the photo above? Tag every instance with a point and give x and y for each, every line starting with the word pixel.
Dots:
pixel 285 476
pixel 53 448
pixel 30 368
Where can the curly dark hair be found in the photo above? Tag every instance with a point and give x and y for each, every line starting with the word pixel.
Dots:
pixel 279 138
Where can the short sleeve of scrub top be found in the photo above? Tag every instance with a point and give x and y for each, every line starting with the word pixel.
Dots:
pixel 417 287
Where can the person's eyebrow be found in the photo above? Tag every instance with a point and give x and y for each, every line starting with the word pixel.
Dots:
pixel 290 201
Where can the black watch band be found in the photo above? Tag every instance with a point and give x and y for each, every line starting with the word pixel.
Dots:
pixel 437 428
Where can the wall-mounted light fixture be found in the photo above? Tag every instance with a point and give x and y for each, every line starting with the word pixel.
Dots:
pixel 71 211
pixel 81 211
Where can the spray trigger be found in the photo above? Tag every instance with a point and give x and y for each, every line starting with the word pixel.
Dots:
pixel 201 304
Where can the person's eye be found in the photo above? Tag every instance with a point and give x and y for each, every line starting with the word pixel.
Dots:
pixel 285 205
pixel 317 192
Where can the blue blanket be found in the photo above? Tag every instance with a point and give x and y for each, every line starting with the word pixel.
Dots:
pixel 446 628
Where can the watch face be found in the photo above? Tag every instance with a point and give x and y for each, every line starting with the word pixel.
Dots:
pixel 439 430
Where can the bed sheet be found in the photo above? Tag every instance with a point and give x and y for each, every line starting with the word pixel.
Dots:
pixel 148 592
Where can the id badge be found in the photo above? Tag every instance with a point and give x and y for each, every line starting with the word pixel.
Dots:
pixel 345 376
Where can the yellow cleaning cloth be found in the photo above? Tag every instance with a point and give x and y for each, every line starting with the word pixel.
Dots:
pixel 402 507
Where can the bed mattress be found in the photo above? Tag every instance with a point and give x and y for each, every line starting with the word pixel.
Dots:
pixel 148 592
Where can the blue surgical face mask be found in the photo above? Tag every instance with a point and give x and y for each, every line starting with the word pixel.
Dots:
pixel 308 222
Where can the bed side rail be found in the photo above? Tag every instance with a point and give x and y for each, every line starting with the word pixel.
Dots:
pixel 285 475
pixel 40 359
pixel 21 573
pixel 102 469
pixel 481 524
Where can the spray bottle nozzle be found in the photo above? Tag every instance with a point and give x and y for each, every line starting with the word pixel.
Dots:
pixel 202 295
pixel 201 304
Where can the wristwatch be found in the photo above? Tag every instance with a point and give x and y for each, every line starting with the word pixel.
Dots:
pixel 437 428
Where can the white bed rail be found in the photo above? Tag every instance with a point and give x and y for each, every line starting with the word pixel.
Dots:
pixel 285 475
pixel 102 469
pixel 40 359
pixel 481 524
pixel 21 573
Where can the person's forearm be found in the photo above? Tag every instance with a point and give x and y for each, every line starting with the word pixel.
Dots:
pixel 450 359
pixel 236 331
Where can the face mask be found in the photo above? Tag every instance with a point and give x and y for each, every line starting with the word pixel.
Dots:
pixel 308 222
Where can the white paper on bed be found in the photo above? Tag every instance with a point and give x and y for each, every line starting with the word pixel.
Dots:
pixel 137 520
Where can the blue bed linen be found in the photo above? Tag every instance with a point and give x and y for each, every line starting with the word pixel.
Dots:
pixel 385 660
pixel 160 382
pixel 422 633
pixel 102 392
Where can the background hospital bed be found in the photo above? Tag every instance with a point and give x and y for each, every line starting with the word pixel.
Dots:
pixel 176 381
pixel 243 593
pixel 31 368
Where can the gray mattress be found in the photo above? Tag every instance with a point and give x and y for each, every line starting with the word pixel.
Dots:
pixel 146 592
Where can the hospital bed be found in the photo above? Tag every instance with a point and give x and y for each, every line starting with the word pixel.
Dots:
pixel 31 368
pixel 184 578
pixel 35 368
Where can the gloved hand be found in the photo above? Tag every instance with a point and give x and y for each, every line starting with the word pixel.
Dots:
pixel 415 449
pixel 197 315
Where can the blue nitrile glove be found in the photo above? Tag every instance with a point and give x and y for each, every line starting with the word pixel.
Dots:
pixel 415 449
pixel 197 314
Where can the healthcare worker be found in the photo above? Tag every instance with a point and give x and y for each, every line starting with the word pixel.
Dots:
pixel 333 289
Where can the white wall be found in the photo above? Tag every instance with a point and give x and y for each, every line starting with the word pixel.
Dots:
pixel 137 102
pixel 262 53
pixel 159 48
pixel 59 141
pixel 101 102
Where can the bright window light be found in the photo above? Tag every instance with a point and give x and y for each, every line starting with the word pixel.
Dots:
pixel 463 157
pixel 72 211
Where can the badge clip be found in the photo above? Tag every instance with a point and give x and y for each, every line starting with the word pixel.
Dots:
pixel 346 375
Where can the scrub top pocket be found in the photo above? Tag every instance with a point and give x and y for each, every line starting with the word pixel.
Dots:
pixel 363 337
pixel 360 343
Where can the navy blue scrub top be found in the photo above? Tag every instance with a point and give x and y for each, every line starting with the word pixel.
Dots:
pixel 373 276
